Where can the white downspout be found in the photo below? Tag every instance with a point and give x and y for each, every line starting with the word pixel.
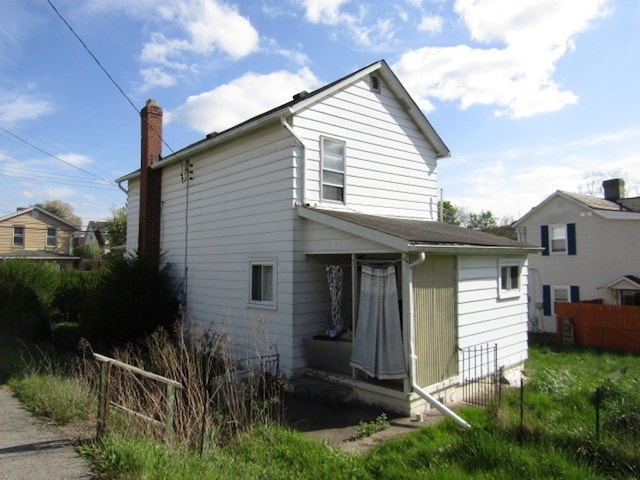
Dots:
pixel 288 127
pixel 414 360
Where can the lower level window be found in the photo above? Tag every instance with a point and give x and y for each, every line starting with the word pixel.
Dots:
pixel 509 279
pixel 262 288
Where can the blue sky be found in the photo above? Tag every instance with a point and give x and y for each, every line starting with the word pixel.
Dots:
pixel 529 95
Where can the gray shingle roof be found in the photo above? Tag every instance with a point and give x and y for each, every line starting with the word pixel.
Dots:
pixel 424 231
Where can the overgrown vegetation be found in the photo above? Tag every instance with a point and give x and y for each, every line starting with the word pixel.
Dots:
pixel 555 438
pixel 124 301
pixel 366 429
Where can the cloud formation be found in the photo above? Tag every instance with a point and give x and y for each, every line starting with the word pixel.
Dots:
pixel 513 73
pixel 231 103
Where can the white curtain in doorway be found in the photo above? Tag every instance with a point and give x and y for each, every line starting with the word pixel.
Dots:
pixel 377 344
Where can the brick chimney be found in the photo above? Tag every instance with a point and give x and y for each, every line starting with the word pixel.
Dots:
pixel 150 180
pixel 613 189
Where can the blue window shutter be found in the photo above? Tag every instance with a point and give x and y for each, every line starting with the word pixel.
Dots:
pixel 571 238
pixel 544 239
pixel 546 300
pixel 575 293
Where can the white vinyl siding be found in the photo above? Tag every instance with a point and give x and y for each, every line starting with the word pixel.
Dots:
pixel 231 219
pixel 483 318
pixel 133 215
pixel 391 168
pixel 608 243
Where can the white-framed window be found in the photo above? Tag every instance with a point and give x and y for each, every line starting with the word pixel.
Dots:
pixel 18 236
pixel 559 294
pixel 558 239
pixel 52 237
pixel 509 278
pixel 332 153
pixel 262 283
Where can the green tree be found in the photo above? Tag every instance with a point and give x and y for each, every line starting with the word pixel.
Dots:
pixel 116 227
pixel 450 213
pixel 61 209
pixel 482 221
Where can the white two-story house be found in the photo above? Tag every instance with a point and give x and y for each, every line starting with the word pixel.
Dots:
pixel 318 218
pixel 590 251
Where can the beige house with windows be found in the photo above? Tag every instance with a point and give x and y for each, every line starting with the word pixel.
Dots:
pixel 35 234
pixel 311 231
pixel 590 251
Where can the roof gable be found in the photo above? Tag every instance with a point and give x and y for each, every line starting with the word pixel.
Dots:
pixel 597 205
pixel 303 101
pixel 35 212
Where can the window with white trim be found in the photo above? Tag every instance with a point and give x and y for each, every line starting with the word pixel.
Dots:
pixel 558 238
pixel 509 280
pixel 332 153
pixel 262 283
pixel 559 294
pixel 52 237
pixel 18 236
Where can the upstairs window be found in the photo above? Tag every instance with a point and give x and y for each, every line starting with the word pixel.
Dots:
pixel 52 237
pixel 558 239
pixel 332 153
pixel 262 283
pixel 18 236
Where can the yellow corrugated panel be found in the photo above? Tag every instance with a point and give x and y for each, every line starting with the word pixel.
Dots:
pixel 434 292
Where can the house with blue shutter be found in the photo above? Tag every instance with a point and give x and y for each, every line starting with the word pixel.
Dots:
pixel 590 251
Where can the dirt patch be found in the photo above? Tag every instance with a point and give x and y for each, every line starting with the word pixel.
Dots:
pixel 338 424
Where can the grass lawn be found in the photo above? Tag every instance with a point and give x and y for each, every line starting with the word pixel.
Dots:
pixel 555 437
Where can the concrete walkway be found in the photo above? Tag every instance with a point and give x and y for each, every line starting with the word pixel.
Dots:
pixel 31 450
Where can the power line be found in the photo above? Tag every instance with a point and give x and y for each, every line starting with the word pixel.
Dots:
pixel 93 56
pixel 38 149
pixel 104 70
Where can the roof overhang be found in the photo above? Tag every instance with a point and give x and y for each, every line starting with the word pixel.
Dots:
pixel 397 242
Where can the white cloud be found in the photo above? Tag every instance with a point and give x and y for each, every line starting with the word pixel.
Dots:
pixel 156 77
pixel 326 11
pixel 19 107
pixel 185 32
pixel 525 39
pixel 75 159
pixel 431 23
pixel 356 23
pixel 243 98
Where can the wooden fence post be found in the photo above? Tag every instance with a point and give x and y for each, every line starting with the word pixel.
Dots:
pixel 103 399
pixel 171 397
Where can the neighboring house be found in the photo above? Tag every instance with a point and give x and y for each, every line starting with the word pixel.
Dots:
pixel 290 224
pixel 590 251
pixel 95 236
pixel 34 233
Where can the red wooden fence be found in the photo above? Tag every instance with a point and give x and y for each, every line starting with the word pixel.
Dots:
pixel 615 327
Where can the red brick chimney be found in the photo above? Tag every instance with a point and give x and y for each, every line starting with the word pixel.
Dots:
pixel 150 180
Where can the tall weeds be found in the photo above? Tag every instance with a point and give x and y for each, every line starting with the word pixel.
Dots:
pixel 219 396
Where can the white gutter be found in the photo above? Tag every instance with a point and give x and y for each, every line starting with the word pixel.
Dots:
pixel 289 128
pixel 414 360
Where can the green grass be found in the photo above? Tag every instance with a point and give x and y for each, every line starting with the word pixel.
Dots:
pixel 555 438
pixel 57 397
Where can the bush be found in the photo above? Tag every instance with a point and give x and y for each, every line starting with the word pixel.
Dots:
pixel 87 252
pixel 133 299
pixel 27 290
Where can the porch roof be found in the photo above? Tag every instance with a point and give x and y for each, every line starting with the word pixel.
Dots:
pixel 415 235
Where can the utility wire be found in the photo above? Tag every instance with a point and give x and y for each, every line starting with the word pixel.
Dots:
pixel 92 55
pixel 105 71
pixel 44 152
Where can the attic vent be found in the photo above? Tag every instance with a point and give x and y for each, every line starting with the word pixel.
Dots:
pixel 211 135
pixel 374 83
pixel 300 95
